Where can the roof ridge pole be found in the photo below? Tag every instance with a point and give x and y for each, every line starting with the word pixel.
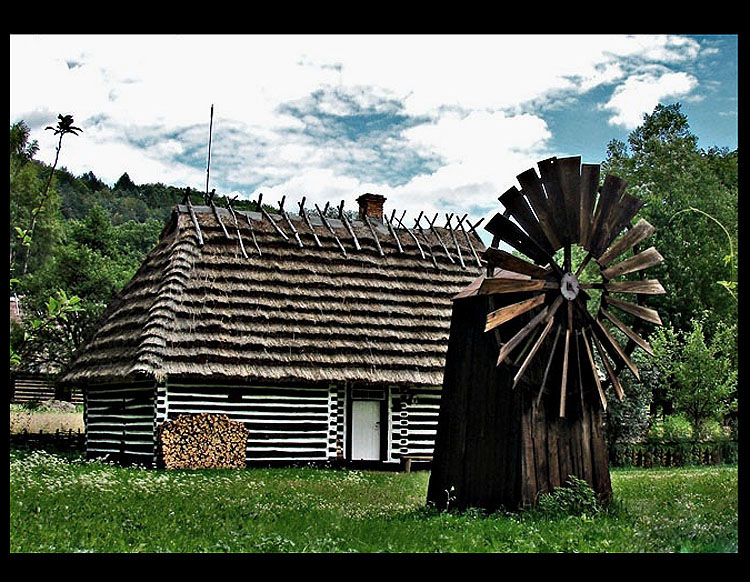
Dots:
pixel 303 214
pixel 468 240
pixel 438 237
pixel 427 242
pixel 374 235
pixel 237 226
pixel 449 226
pixel 393 232
pixel 216 213
pixel 252 234
pixel 289 222
pixel 348 226
pixel 400 221
pixel 268 217
pixel 194 218
pixel 329 227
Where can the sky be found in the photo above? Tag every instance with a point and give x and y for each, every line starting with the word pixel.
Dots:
pixel 434 123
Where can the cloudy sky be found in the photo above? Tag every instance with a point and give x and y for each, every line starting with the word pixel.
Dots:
pixel 434 123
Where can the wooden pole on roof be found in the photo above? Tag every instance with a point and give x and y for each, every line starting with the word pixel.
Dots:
pixel 289 222
pixel 374 235
pixel 303 214
pixel 252 234
pixel 438 237
pixel 194 218
pixel 468 239
pixel 417 225
pixel 210 131
pixel 411 234
pixel 237 227
pixel 329 227
pixel 268 217
pixel 449 226
pixel 393 232
pixel 216 213
pixel 348 226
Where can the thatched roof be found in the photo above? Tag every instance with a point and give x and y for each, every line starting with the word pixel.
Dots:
pixel 288 314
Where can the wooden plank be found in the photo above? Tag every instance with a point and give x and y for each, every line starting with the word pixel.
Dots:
pixel 510 233
pixel 550 176
pixel 626 209
pixel 644 313
pixel 642 287
pixel 639 232
pixel 500 316
pixel 516 339
pixel 519 208
pixel 504 260
pixel 589 187
pixel 569 170
pixel 547 367
pixel 503 285
pixel 532 189
pixel 600 390
pixel 642 260
pixel 611 192
pixel 564 382
pixel 627 331
pixel 614 349
pixel 550 320
pixel 608 367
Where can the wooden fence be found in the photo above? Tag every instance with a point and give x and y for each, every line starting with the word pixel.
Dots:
pixel 673 454
pixel 60 440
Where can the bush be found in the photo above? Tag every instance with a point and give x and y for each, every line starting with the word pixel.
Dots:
pixel 576 498
pixel 673 428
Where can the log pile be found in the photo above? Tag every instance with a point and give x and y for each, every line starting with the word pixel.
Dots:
pixel 203 441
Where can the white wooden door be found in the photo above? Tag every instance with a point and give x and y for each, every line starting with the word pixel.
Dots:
pixel 366 430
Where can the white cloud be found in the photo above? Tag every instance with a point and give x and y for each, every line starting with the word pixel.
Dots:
pixel 639 94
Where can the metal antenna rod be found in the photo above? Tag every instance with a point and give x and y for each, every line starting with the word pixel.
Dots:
pixel 210 131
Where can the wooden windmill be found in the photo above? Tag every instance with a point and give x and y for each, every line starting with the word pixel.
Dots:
pixel 522 396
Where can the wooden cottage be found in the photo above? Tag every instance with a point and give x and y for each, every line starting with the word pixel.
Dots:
pixel 325 337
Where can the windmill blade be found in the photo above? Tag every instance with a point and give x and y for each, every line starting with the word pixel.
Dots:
pixel 627 331
pixel 500 316
pixel 611 192
pixel 638 233
pixel 516 339
pixel 589 186
pixel 550 175
pixel 620 217
pixel 610 370
pixel 569 170
pixel 564 382
pixel 642 260
pixel 550 320
pixel 549 364
pixel 514 201
pixel 644 313
pixel 504 260
pixel 614 349
pixel 641 287
pixel 510 233
pixel 532 188
pixel 594 371
pixel 505 285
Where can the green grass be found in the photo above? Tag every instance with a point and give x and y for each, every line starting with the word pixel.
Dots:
pixel 64 504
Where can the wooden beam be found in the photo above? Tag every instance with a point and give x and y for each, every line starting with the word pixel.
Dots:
pixel 522 333
pixel 627 331
pixel 289 222
pixel 503 285
pixel 509 262
pixel 438 237
pixel 602 397
pixel 303 214
pixel 569 171
pixel 267 216
pixel 610 370
pixel 533 190
pixel 642 287
pixel 642 260
pixel 589 187
pixel 549 318
pixel 194 218
pixel 644 313
pixel 449 226
pixel 635 235
pixel 348 226
pixel 500 316
pixel 549 364
pixel 614 348
pixel 329 227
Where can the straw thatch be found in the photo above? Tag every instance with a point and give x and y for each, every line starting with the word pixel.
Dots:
pixel 287 314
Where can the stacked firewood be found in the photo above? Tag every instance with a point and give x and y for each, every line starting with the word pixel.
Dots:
pixel 203 441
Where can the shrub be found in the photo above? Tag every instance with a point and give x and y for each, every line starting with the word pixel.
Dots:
pixel 576 498
pixel 673 428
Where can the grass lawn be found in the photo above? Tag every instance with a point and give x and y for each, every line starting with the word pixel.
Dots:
pixel 65 504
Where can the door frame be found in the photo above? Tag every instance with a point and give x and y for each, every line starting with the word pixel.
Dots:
pixel 385 427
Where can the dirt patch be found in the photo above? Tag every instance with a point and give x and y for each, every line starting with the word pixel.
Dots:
pixel 45 421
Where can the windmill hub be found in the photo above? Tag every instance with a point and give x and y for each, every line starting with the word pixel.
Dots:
pixel 569 286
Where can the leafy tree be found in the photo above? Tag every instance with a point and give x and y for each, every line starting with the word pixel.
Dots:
pixel 665 168
pixel 699 372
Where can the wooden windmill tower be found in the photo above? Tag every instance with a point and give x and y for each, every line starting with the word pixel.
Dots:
pixel 523 393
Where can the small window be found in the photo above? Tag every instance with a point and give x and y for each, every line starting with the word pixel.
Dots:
pixel 367 394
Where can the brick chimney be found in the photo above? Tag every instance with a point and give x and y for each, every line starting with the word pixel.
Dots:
pixel 371 205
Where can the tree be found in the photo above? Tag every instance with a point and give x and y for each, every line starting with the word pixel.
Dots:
pixel 699 372
pixel 665 168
